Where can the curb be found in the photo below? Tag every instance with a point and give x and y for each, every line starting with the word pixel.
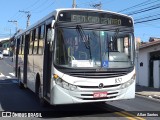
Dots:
pixel 150 97
pixel 156 96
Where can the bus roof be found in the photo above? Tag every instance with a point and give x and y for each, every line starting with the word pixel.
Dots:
pixel 94 10
pixel 69 9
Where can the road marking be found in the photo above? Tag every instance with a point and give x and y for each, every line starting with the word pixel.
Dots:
pixel 1 75
pixel 129 114
pixel 12 74
pixel 8 77
pixel 124 115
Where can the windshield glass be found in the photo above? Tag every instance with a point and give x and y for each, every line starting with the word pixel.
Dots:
pixel 93 48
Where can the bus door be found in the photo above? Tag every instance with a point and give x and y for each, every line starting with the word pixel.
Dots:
pixel 47 64
pixel 26 50
pixel 16 56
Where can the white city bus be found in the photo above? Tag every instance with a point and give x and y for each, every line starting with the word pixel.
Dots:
pixel 77 56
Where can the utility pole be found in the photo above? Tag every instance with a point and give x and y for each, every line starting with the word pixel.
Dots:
pixel 10 48
pixel 97 6
pixel 28 17
pixel 11 32
pixel 15 22
pixel 74 4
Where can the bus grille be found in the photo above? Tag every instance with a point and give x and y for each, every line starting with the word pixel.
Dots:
pixel 92 87
pixel 107 74
pixel 99 98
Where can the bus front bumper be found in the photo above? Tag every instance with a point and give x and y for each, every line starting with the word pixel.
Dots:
pixel 60 95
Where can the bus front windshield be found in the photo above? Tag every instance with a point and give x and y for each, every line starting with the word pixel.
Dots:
pixel 80 48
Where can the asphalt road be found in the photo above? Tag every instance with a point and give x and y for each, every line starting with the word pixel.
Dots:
pixel 13 99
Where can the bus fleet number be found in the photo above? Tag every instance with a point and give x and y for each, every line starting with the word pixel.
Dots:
pixel 118 80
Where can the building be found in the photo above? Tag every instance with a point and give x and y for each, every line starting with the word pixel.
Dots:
pixel 4 44
pixel 148 64
pixel 151 39
pixel 138 42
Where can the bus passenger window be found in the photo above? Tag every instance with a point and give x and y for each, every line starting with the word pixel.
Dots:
pixel 20 46
pixel 41 39
pixel 33 39
pixel 23 44
pixel 39 36
pixel 35 49
pixel 31 43
pixel 42 32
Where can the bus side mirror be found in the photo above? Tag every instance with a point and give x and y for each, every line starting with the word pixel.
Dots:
pixel 53 30
pixel 50 32
pixel 50 35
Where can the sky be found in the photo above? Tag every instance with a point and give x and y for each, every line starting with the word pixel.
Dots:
pixel 9 11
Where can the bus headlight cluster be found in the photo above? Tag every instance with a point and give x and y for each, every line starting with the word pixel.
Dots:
pixel 128 83
pixel 64 84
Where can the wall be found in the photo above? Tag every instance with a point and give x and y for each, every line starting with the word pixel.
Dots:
pixel 143 71
pixel 156 76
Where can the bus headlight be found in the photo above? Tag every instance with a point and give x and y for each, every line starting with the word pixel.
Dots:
pixel 64 84
pixel 128 83
pixel 72 87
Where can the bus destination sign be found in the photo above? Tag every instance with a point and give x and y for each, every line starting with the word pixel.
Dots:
pixel 95 17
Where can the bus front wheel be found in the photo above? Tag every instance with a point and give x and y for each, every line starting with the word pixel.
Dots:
pixel 42 102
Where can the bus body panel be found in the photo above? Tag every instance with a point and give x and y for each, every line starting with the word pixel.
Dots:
pixel 31 74
pixel 84 94
pixel 20 66
pixel 60 93
pixel 34 68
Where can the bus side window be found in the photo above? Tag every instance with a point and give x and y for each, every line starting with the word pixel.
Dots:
pixel 20 48
pixel 23 44
pixel 39 33
pixel 35 41
pixel 31 43
pixel 41 39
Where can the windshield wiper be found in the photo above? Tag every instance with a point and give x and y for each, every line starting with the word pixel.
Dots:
pixel 115 38
pixel 85 38
pixel 113 41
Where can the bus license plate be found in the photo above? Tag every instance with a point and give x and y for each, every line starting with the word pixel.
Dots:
pixel 100 94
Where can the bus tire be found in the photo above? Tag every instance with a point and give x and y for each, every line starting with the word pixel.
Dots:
pixel 37 85
pixel 20 84
pixel 38 90
pixel 42 102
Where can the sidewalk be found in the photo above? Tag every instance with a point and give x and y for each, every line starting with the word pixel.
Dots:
pixel 148 92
